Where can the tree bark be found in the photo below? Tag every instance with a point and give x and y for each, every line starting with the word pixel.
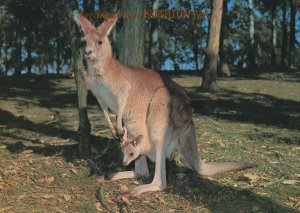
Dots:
pixel 284 35
pixel 274 34
pixel 209 81
pixel 153 59
pixel 58 52
pixel 195 45
pixel 251 55
pixel 133 34
pixel 224 27
pixel 84 148
pixel 292 39
pixel 88 6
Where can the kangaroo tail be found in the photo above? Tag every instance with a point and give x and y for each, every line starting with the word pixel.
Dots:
pixel 208 169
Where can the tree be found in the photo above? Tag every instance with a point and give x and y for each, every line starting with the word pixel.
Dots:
pixel 224 29
pixel 209 81
pixel 274 33
pixel 251 55
pixel 153 58
pixel 292 36
pixel 84 129
pixel 133 34
pixel 284 43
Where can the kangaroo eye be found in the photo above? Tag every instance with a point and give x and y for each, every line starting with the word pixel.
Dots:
pixel 99 42
pixel 131 154
pixel 82 43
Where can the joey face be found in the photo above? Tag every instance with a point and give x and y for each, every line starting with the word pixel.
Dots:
pixel 131 152
pixel 95 43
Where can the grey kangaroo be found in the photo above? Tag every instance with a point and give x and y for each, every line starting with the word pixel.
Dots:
pixel 153 108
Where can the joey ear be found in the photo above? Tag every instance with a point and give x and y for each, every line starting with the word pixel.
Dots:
pixel 107 25
pixel 138 137
pixel 135 141
pixel 85 24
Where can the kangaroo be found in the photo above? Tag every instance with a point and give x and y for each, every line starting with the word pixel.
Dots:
pixel 155 109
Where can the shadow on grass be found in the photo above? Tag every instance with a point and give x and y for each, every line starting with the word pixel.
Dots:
pixel 218 198
pixel 249 108
pixel 102 147
pixel 47 90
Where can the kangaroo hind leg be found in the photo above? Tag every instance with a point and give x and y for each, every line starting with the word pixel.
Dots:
pixel 188 148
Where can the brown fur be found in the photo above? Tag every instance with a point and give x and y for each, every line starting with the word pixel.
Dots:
pixel 147 104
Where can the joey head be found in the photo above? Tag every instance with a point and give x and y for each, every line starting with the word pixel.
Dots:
pixel 130 148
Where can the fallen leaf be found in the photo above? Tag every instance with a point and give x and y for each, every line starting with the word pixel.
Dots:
pixel 125 199
pixel 25 152
pixel 66 197
pixel 64 175
pixel 297 175
pixel 290 182
pixel 222 144
pixel 253 178
pixel 262 193
pixel 60 200
pixel 289 204
pixel 161 200
pixel 50 180
pixel 47 196
pixel 21 197
pixel 98 206
pixel 123 188
pixel 74 171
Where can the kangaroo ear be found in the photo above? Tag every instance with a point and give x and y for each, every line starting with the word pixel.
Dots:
pixel 107 25
pixel 85 24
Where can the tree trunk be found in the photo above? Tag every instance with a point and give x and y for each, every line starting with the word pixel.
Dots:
pixel 274 35
pixel 84 129
pixel 153 58
pixel 6 54
pixel 209 81
pixel 133 34
pixel 292 39
pixel 251 55
pixel 88 6
pixel 29 60
pixel 18 64
pixel 223 35
pixel 58 52
pixel 284 35
pixel 195 45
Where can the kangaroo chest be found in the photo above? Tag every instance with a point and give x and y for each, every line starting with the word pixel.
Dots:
pixel 102 89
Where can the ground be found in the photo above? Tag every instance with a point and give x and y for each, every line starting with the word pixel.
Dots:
pixel 254 119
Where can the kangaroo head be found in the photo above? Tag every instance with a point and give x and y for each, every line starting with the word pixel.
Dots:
pixel 130 148
pixel 96 46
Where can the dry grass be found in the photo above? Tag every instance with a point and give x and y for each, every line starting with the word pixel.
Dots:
pixel 250 120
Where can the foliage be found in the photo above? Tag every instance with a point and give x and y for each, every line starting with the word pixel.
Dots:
pixel 34 38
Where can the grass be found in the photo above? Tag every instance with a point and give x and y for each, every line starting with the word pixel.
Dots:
pixel 253 118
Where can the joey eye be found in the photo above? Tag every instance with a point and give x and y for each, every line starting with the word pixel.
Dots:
pixel 99 42
pixel 131 154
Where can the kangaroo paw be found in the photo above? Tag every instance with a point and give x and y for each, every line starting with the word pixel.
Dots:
pixel 144 188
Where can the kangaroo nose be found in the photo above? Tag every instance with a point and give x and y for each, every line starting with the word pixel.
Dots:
pixel 87 52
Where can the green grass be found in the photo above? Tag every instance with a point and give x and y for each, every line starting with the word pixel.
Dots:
pixel 250 120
